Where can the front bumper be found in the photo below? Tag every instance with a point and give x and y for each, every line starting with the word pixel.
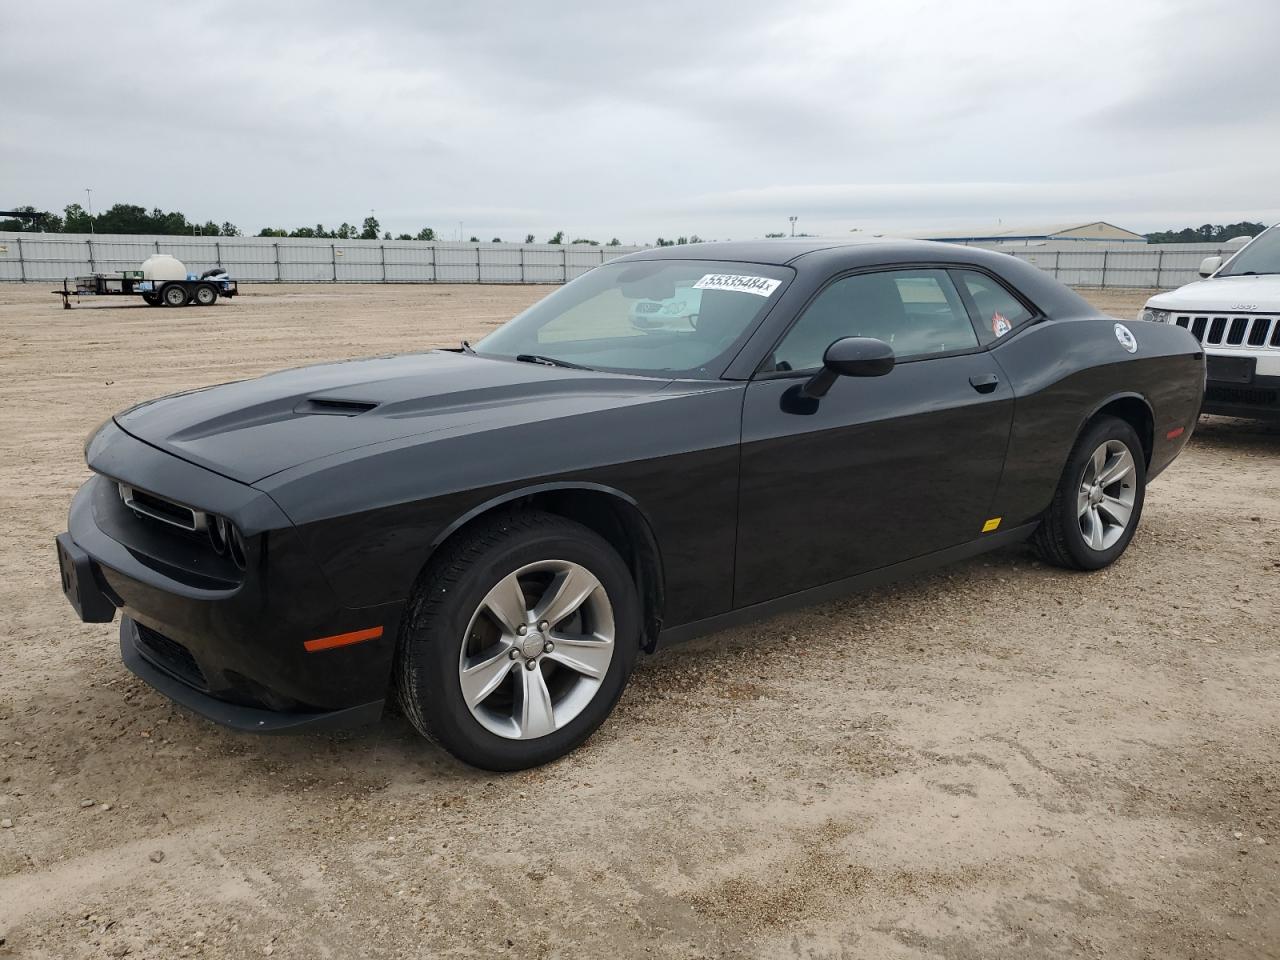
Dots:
pixel 1255 397
pixel 145 665
pixel 235 652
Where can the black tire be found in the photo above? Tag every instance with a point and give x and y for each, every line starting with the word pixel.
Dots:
pixel 1060 538
pixel 446 598
pixel 174 295
pixel 206 295
pixel 153 299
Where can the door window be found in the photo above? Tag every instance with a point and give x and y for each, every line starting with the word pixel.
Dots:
pixel 917 312
pixel 998 310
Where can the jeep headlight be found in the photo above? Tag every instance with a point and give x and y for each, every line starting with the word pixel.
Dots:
pixel 1154 316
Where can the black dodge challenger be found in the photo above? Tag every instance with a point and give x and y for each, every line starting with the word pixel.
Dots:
pixel 495 532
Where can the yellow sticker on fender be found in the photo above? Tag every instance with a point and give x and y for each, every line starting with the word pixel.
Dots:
pixel 991 524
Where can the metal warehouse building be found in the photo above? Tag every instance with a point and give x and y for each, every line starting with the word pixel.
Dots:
pixel 1097 231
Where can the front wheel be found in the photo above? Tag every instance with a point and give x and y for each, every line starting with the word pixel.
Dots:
pixel 1096 507
pixel 519 640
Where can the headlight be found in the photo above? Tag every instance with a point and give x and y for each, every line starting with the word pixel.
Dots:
pixel 1154 316
pixel 235 545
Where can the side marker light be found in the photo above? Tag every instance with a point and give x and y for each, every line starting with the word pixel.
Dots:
pixel 342 639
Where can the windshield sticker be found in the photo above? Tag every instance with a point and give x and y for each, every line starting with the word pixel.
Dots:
pixel 999 325
pixel 760 286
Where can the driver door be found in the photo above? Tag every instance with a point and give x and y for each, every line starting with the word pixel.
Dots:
pixel 881 469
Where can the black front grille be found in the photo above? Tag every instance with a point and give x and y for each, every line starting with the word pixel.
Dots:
pixel 1241 395
pixel 171 657
pixel 1232 331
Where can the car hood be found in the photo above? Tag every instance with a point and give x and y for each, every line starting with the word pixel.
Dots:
pixel 251 429
pixel 1245 294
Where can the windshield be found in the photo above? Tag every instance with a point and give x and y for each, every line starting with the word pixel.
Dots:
pixel 680 318
pixel 1262 255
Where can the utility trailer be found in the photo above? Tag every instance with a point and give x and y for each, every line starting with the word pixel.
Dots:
pixel 162 282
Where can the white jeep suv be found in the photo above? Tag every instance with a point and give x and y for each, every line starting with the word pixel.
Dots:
pixel 1235 314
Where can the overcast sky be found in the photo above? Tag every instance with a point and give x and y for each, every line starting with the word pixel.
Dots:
pixel 646 118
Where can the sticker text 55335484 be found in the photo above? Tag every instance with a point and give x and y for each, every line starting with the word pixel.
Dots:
pixel 760 286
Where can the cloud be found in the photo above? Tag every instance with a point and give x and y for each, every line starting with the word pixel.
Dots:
pixel 720 118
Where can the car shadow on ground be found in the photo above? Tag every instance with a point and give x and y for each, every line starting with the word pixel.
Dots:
pixel 1230 433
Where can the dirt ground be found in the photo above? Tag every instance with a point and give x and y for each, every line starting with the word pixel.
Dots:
pixel 1001 760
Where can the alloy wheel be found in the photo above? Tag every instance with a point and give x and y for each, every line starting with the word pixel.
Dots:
pixel 537 649
pixel 1107 493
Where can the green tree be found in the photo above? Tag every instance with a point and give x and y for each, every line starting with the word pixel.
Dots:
pixel 474 240
pixel 557 237
pixel 528 238
pixel 774 236
pixel 615 242
pixel 272 232
pixel 426 233
pixel 593 243
pixel 1208 233
pixel 229 229
pixel 370 229
pixel 403 236
pixel 31 220
pixel 496 240
pixel 345 232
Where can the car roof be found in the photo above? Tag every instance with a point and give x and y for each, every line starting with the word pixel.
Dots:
pixel 780 251
pixel 786 251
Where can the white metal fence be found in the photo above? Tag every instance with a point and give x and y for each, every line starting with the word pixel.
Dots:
pixel 1152 266
pixel 44 257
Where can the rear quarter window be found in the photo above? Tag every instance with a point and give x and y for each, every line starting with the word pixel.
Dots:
pixel 996 310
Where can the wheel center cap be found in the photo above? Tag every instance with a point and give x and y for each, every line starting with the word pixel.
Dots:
pixel 531 643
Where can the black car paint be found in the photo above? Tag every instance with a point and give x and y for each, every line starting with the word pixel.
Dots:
pixel 748 498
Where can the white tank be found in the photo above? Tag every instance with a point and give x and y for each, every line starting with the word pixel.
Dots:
pixel 162 266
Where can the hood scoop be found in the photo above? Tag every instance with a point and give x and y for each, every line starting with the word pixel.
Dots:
pixel 334 406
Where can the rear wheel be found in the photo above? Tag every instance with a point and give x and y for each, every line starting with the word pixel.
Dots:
pixel 174 295
pixel 206 295
pixel 519 641
pixel 1098 503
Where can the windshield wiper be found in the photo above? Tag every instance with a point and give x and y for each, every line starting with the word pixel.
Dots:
pixel 548 361
pixel 467 348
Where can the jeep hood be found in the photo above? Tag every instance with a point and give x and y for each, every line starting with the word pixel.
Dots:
pixel 251 429
pixel 1245 294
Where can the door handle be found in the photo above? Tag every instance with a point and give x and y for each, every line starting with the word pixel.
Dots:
pixel 984 383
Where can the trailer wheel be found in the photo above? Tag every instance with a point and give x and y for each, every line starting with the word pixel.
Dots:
pixel 153 299
pixel 174 295
pixel 206 295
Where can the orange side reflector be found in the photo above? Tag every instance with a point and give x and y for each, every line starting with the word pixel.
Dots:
pixel 1175 433
pixel 342 639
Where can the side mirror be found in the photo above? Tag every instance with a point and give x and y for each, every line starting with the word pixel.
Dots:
pixel 850 357
pixel 1209 266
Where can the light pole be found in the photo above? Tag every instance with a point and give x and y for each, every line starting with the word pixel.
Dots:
pixel 793 224
pixel 88 192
